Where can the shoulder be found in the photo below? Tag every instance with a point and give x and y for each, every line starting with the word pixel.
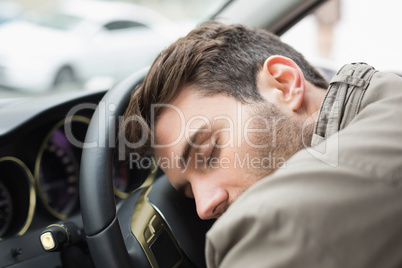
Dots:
pixel 383 85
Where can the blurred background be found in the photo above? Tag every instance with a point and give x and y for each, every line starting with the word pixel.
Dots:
pixel 53 45
pixel 345 31
pixel 178 10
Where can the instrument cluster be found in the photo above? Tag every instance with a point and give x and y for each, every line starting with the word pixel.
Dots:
pixel 39 183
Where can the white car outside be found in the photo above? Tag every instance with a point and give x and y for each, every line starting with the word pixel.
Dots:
pixel 79 41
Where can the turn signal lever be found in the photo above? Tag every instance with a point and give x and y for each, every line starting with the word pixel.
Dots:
pixel 58 237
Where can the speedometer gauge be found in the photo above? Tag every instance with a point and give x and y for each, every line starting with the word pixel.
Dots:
pixel 6 209
pixel 17 197
pixel 58 174
pixel 57 167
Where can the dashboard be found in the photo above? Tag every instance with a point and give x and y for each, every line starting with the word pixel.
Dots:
pixel 41 141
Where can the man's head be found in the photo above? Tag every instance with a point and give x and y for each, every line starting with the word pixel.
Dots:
pixel 221 108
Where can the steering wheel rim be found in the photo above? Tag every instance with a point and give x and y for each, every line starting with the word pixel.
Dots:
pixel 98 205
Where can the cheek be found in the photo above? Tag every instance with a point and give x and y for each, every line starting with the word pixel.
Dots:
pixel 232 169
pixel 241 167
pixel 236 159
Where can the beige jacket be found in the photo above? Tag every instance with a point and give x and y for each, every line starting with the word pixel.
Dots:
pixel 337 204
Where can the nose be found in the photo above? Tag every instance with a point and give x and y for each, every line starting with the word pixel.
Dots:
pixel 211 203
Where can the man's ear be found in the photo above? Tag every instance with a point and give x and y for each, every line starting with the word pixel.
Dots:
pixel 288 80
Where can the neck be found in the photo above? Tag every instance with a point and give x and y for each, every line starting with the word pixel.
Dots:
pixel 314 96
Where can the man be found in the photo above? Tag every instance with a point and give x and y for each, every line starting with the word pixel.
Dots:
pixel 232 113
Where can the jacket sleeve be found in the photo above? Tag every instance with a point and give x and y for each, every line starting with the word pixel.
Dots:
pixel 311 218
pixel 262 236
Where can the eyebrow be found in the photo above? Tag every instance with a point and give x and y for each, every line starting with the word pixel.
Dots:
pixel 189 145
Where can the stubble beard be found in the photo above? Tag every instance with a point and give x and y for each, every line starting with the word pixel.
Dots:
pixel 287 137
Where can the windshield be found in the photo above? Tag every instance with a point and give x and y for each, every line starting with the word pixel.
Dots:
pixel 65 45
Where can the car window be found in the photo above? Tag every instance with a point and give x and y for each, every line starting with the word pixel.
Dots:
pixel 56 46
pixel 344 31
pixel 123 24
pixel 54 20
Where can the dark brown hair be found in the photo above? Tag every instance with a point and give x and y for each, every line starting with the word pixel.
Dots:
pixel 215 59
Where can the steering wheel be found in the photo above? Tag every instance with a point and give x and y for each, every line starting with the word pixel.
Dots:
pixel 155 226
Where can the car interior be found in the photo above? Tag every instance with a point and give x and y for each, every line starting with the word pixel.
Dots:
pixel 66 200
